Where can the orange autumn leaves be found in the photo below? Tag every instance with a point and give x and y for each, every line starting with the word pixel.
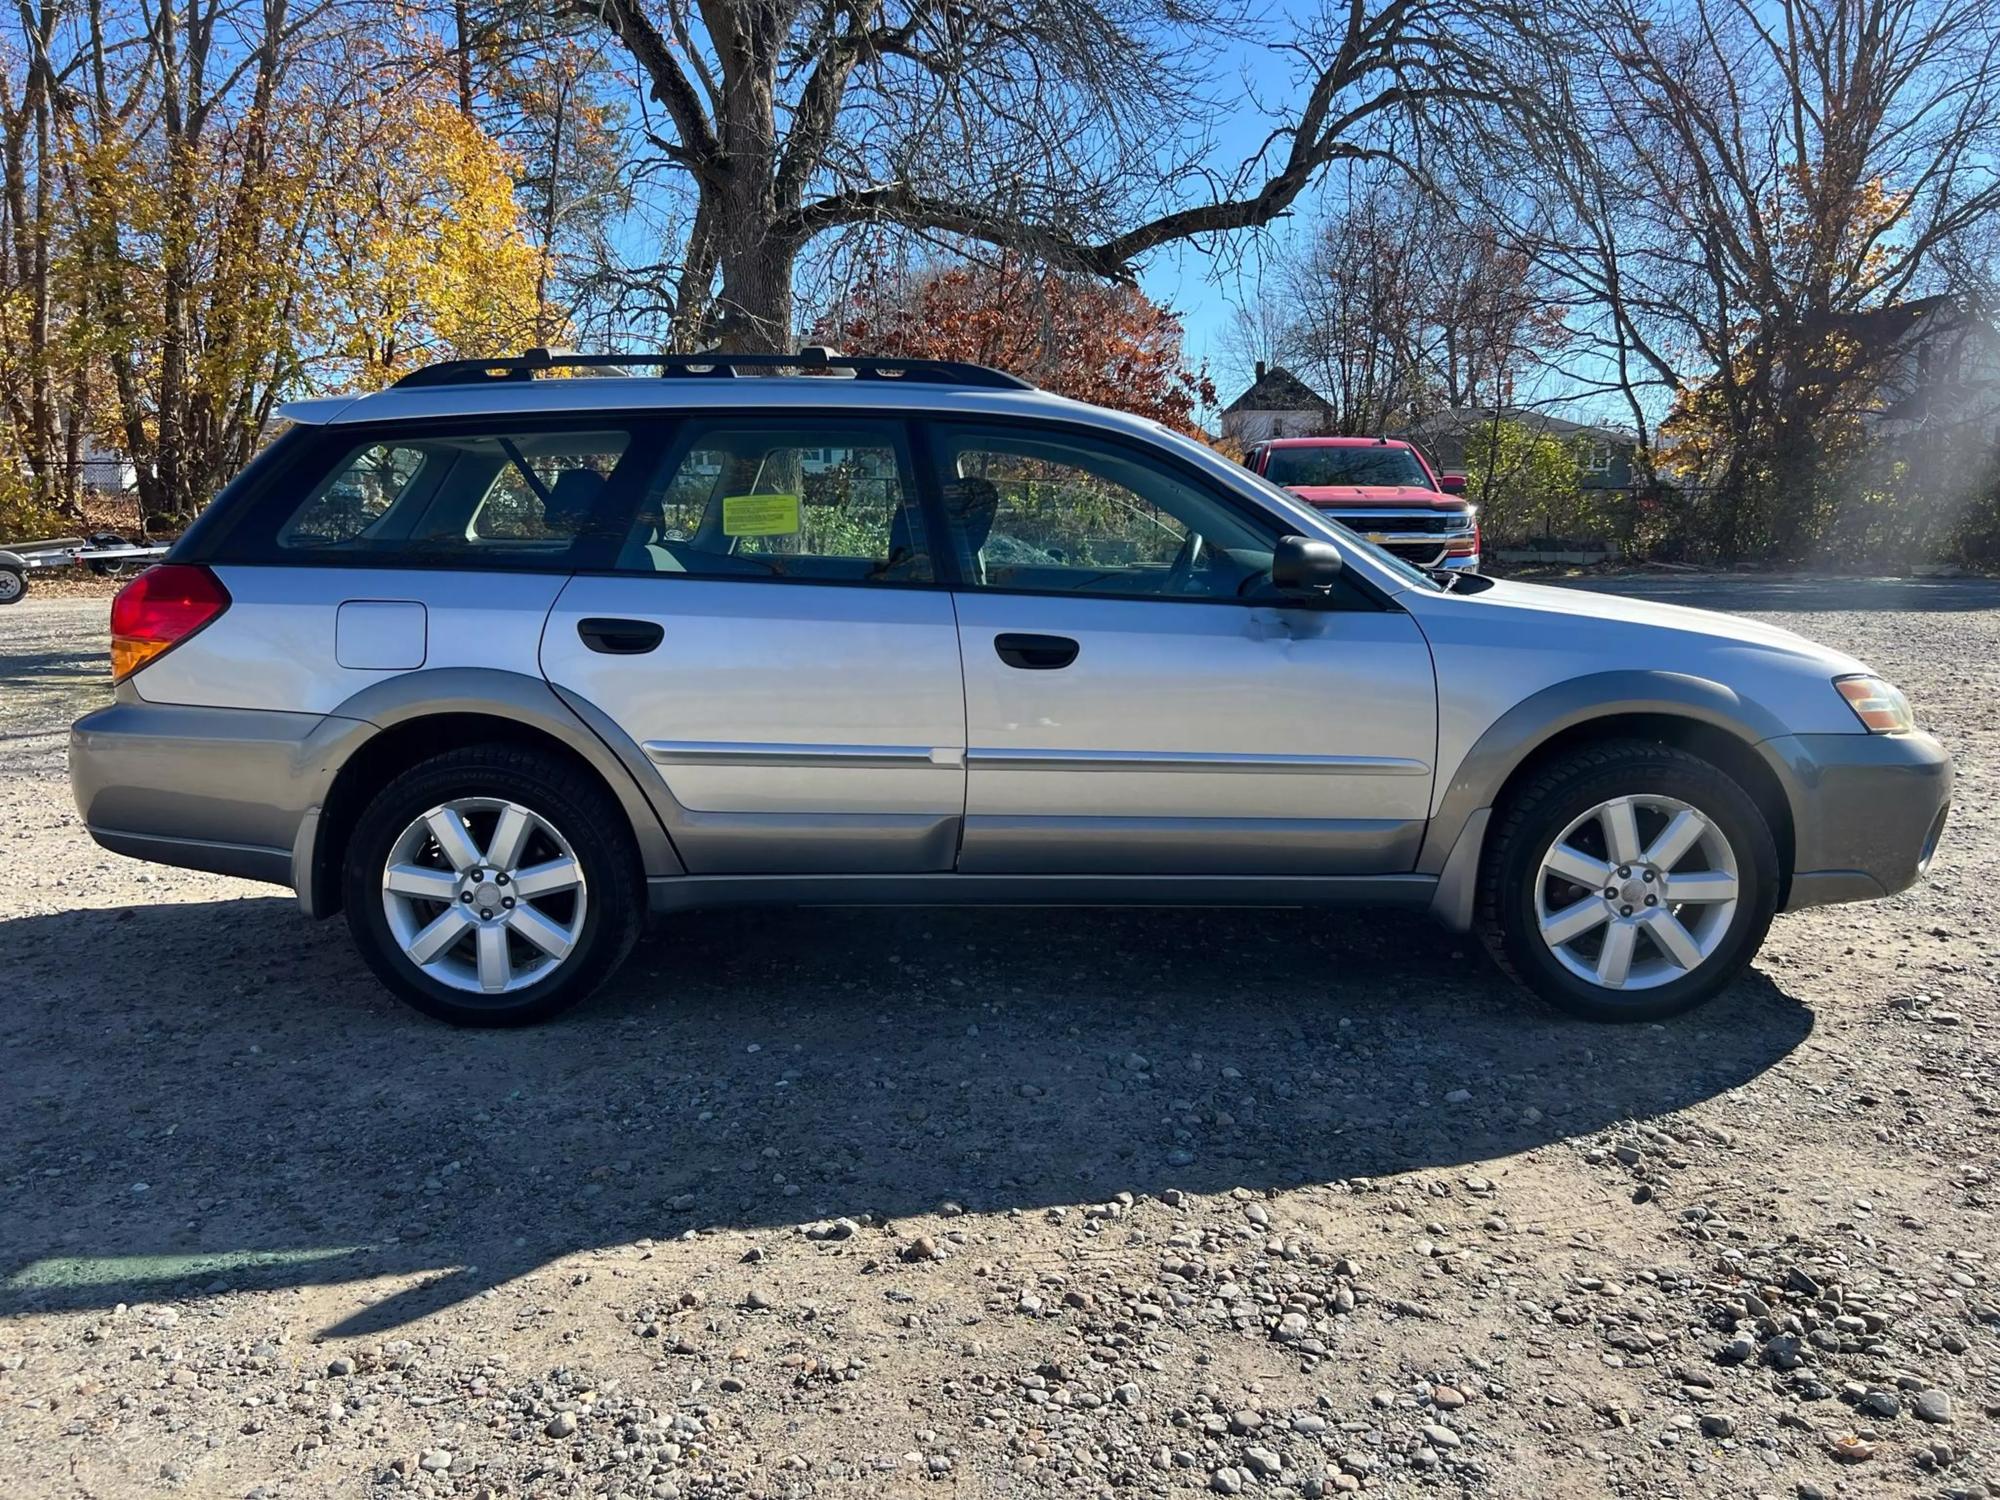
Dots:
pixel 1075 337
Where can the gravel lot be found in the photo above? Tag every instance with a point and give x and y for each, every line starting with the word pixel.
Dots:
pixel 1000 1202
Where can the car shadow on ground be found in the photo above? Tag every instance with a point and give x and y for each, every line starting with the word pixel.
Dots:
pixel 212 1097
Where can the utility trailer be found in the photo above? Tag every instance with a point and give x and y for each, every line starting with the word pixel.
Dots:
pixel 104 553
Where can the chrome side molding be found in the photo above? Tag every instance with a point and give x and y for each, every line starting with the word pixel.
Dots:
pixel 750 753
pixel 1174 760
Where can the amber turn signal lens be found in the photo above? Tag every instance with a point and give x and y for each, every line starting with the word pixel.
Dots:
pixel 1880 707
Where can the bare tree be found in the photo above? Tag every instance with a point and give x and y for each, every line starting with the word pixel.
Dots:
pixel 1066 129
pixel 31 391
pixel 1735 184
pixel 1255 336
pixel 1355 316
pixel 1397 307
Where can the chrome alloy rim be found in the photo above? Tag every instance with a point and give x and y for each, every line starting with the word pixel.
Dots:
pixel 1636 892
pixel 484 895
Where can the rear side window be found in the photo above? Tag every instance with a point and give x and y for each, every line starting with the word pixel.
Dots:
pixel 831 503
pixel 479 495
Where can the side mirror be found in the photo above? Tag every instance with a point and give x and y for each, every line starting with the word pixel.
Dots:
pixel 1300 565
pixel 1451 483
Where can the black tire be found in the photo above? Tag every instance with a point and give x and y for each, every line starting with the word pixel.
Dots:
pixel 571 800
pixel 1558 793
pixel 13 585
pixel 113 567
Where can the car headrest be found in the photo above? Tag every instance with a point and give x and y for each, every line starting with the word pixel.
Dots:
pixel 973 504
pixel 576 503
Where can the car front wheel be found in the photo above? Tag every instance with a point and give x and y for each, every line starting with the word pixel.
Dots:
pixel 1628 881
pixel 492 886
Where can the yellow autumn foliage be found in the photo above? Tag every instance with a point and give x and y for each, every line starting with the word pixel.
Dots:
pixel 423 255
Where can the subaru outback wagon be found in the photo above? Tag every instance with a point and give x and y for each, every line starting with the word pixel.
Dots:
pixel 494 662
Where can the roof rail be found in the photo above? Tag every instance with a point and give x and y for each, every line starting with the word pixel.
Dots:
pixel 713 366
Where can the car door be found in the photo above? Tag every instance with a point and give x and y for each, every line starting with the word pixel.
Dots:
pixel 774 639
pixel 1138 700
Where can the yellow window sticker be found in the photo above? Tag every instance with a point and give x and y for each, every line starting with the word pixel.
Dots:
pixel 760 515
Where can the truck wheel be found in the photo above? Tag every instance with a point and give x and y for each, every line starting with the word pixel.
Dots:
pixel 1627 882
pixel 13 585
pixel 493 885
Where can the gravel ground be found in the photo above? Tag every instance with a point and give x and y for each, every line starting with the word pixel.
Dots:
pixel 996 1202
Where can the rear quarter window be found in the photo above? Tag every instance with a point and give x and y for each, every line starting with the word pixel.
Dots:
pixel 524 493
pixel 356 498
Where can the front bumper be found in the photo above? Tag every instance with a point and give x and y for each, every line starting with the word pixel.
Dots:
pixel 1868 811
pixel 222 789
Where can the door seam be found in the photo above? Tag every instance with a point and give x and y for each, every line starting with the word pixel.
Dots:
pixel 965 736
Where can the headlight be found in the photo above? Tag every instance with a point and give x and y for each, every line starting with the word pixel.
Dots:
pixel 1878 705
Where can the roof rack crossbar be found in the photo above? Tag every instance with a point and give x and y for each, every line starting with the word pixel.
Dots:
pixel 712 366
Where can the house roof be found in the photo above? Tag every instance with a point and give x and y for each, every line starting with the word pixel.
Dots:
pixel 1465 419
pixel 1278 389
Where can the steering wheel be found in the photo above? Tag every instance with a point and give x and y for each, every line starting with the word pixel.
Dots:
pixel 1185 562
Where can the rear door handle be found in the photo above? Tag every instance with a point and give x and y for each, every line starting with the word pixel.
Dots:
pixel 620 637
pixel 1036 653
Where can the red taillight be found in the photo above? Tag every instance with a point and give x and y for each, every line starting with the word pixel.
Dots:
pixel 160 608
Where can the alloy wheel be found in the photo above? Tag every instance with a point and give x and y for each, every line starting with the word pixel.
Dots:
pixel 484 895
pixel 1637 892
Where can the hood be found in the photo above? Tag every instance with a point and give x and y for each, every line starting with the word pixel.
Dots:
pixel 1496 647
pixel 1334 496
pixel 1611 610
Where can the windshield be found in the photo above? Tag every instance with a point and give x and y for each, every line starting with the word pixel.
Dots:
pixel 1305 467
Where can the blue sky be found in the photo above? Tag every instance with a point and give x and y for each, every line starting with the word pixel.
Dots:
pixel 1205 289
pixel 1201 288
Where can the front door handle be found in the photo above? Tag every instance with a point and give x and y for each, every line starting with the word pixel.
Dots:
pixel 1036 653
pixel 620 637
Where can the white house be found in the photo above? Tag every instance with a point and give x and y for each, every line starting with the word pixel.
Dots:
pixel 1278 404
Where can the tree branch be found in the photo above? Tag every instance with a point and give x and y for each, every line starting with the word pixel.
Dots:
pixel 670 86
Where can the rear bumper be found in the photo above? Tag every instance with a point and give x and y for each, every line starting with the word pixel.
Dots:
pixel 222 789
pixel 1868 812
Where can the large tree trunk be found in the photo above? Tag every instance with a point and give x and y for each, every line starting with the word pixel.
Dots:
pixel 754 313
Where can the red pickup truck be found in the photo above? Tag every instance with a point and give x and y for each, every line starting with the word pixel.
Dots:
pixel 1382 488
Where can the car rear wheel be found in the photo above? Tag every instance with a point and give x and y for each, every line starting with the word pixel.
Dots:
pixel 1628 881
pixel 493 886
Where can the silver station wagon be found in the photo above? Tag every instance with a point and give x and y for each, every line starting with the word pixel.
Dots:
pixel 495 661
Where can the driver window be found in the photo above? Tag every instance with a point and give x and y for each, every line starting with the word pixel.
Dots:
pixel 1056 514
